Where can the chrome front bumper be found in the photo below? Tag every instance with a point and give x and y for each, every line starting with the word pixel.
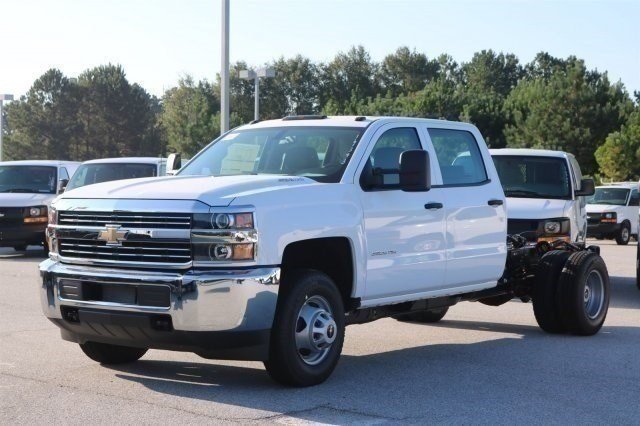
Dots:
pixel 200 301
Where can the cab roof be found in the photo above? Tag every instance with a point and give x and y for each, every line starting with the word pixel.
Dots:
pixel 50 163
pixel 530 152
pixel 127 160
pixel 339 121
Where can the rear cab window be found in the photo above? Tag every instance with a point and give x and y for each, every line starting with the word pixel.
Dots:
pixel 458 156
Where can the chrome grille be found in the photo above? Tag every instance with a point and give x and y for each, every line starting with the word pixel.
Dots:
pixel 125 219
pixel 146 251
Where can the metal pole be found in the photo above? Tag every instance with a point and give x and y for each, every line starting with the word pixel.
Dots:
pixel 1 129
pixel 256 109
pixel 224 72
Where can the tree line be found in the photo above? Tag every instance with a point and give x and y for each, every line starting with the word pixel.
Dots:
pixel 552 103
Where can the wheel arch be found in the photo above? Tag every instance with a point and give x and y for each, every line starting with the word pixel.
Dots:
pixel 332 255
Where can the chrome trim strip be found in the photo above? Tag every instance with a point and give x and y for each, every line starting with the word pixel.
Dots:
pixel 123 263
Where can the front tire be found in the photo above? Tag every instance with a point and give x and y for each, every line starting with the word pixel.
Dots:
pixel 624 235
pixel 427 317
pixel 308 330
pixel 111 354
pixel 583 293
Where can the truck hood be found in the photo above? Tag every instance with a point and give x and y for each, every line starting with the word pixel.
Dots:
pixel 19 199
pixel 601 208
pixel 535 208
pixel 214 191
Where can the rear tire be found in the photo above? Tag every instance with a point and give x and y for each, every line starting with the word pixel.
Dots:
pixel 624 235
pixel 583 293
pixel 428 317
pixel 111 354
pixel 308 330
pixel 545 291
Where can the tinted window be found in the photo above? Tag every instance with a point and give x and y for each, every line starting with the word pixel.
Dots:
pixel 635 199
pixel 533 176
pixel 609 196
pixel 88 174
pixel 35 179
pixel 386 152
pixel 319 153
pixel 458 156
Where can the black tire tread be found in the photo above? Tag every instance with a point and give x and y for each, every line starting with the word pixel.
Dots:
pixel 544 294
pixel 569 296
pixel 111 354
pixel 283 364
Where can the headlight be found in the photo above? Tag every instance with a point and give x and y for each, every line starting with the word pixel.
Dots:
pixel 223 237
pixel 53 216
pixel 36 215
pixel 556 227
pixel 610 215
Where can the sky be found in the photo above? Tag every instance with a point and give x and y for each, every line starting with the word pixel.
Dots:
pixel 159 41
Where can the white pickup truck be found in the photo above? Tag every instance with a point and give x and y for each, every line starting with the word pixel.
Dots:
pixel 280 233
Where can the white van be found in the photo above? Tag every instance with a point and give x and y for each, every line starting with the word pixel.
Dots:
pixel 109 169
pixel 26 191
pixel 612 212
pixel 546 194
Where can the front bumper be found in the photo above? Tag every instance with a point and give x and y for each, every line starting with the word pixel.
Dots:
pixel 603 229
pixel 225 314
pixel 22 234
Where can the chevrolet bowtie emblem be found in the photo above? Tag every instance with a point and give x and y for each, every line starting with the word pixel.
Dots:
pixel 112 235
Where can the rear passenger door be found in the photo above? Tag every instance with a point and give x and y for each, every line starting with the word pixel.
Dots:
pixel 475 213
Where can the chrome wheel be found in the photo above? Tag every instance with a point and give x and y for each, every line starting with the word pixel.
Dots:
pixel 624 233
pixel 594 294
pixel 316 330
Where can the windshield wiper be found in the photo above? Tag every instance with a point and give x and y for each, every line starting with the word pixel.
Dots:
pixel 522 192
pixel 18 190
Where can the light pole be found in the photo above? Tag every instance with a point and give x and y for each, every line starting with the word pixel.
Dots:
pixel 224 71
pixel 255 76
pixel 3 98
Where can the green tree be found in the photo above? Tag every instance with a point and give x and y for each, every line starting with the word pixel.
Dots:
pixel 406 71
pixel 488 78
pixel 351 75
pixel 43 123
pixel 117 118
pixel 190 115
pixel 572 110
pixel 619 156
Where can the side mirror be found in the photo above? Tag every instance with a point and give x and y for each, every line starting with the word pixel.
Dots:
pixel 415 172
pixel 587 188
pixel 62 185
pixel 174 162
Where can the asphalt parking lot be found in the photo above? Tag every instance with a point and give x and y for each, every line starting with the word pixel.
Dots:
pixel 479 365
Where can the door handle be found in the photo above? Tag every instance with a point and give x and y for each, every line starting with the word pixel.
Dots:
pixel 433 206
pixel 495 203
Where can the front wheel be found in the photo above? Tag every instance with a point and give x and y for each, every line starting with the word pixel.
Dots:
pixel 111 354
pixel 624 235
pixel 308 330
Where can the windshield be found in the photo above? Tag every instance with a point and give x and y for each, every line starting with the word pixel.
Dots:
pixel 612 196
pixel 533 176
pixel 319 153
pixel 32 179
pixel 88 174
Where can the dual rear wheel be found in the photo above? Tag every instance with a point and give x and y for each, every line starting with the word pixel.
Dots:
pixel 571 293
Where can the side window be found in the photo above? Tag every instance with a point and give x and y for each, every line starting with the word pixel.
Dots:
pixel 634 200
pixel 386 152
pixel 63 174
pixel 458 156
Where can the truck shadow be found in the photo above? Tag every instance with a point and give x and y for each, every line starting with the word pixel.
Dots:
pixel 438 381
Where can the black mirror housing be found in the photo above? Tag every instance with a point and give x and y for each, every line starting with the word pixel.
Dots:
pixel 415 172
pixel 587 188
pixel 62 185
